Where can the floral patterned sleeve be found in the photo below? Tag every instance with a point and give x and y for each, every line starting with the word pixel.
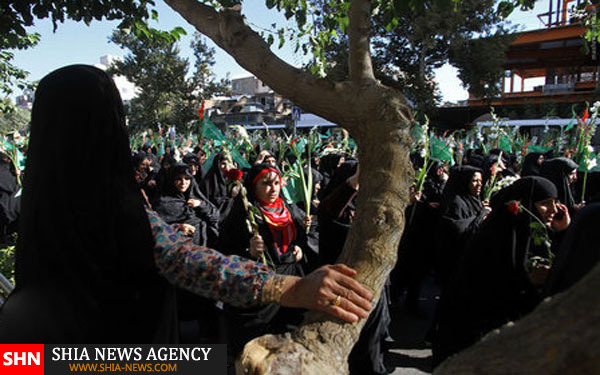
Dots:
pixel 203 271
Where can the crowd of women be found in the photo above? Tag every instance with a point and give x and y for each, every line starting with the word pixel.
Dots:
pixel 495 260
pixel 491 257
pixel 84 272
pixel 95 263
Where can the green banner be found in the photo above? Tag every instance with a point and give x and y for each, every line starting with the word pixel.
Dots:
pixel 536 148
pixel 210 130
pixel 439 150
pixel 505 143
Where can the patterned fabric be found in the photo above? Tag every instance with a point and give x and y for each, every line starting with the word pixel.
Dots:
pixel 206 272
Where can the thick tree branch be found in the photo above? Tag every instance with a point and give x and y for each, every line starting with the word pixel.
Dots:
pixel 229 31
pixel 359 30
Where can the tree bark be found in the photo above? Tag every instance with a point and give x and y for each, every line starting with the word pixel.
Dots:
pixel 378 118
pixel 561 336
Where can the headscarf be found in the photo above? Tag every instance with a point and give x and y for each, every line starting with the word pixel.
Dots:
pixel 457 200
pixel 531 167
pixel 138 158
pixel 276 214
pixel 194 159
pixel 526 190
pixel 475 160
pixel 214 185
pixel 578 253
pixel 85 269
pixel 328 165
pixel 172 205
pixel 557 170
pixel 9 204
pixel 346 170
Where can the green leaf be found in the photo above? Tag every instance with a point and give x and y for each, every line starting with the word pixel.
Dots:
pixel 505 8
pixel 343 23
pixel 301 18
pixel 281 40
pixel 270 39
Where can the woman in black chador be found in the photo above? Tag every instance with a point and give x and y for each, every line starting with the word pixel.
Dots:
pixel 499 276
pixel 531 164
pixel 10 204
pixel 462 214
pixel 214 185
pixel 579 251
pixel 281 239
pixel 93 265
pixel 194 218
pixel 563 174
pixel 85 269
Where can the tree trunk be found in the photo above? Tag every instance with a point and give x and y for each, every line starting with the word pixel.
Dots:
pixel 378 119
pixel 561 336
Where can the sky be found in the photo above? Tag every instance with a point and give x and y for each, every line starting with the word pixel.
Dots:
pixel 76 43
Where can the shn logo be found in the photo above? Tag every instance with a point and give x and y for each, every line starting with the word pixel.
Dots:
pixel 22 359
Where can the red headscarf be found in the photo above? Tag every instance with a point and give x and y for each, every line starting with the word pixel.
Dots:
pixel 277 217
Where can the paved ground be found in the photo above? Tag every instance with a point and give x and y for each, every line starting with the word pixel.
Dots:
pixel 408 354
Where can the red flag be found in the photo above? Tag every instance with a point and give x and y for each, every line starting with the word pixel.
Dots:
pixel 202 111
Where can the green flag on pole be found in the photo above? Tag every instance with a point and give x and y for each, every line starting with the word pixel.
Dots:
pixel 439 150
pixel 210 130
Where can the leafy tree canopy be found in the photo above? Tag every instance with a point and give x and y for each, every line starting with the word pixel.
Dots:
pixel 166 95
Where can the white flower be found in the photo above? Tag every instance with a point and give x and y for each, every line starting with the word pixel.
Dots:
pixel 591 163
pixel 596 107
pixel 506 181
pixel 241 131
pixel 590 148
pixel 423 152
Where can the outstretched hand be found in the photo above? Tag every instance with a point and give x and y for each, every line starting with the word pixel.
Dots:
pixel 330 289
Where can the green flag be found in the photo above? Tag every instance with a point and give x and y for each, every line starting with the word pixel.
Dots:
pixel 238 158
pixel 505 143
pixel 301 145
pixel 210 130
pixel 536 148
pixel 417 131
pixel 439 150
pixel 571 125
pixel 292 191
pixel 20 159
